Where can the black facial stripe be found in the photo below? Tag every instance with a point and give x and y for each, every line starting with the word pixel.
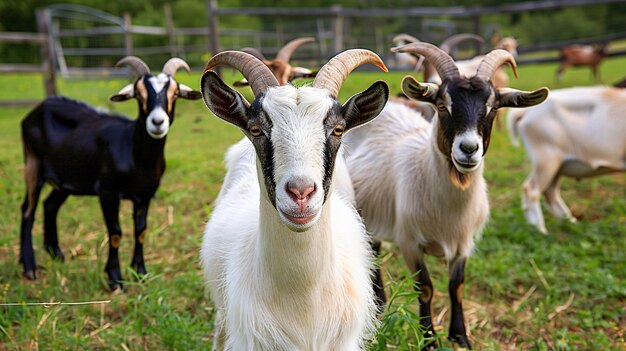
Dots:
pixel 266 149
pixel 263 145
pixel 331 145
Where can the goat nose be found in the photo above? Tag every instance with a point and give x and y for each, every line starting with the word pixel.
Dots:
pixel 300 190
pixel 469 147
pixel 158 121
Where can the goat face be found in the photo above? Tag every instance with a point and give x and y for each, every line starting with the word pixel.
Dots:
pixel 466 114
pixel 296 133
pixel 281 70
pixel 466 106
pixel 466 110
pixel 156 97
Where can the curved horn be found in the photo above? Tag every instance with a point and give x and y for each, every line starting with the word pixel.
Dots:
pixel 254 52
pixel 174 64
pixel 286 51
pixel 405 37
pixel 335 71
pixel 456 39
pixel 256 72
pixel 136 63
pixel 493 61
pixel 444 64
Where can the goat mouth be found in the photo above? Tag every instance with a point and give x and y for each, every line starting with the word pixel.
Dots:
pixel 157 133
pixel 466 166
pixel 299 220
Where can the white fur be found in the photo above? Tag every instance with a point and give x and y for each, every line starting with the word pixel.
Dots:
pixel 576 132
pixel 158 82
pixel 404 192
pixel 276 287
pixel 157 115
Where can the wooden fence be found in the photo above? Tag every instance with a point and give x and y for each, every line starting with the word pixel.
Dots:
pixel 46 68
pixel 332 26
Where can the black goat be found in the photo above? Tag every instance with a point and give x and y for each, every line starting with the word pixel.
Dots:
pixel 81 151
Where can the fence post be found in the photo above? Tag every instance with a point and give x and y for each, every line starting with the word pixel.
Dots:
pixel 477 29
pixel 128 34
pixel 47 63
pixel 169 21
pixel 214 35
pixel 338 28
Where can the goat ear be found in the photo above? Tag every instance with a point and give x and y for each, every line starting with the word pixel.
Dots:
pixel 127 92
pixel 185 92
pixel 518 98
pixel 301 72
pixel 363 107
pixel 225 102
pixel 425 92
pixel 241 83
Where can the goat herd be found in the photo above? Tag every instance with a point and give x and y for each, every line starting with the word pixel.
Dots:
pixel 288 253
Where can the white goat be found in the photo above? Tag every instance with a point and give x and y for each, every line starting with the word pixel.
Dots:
pixel 286 258
pixel 578 133
pixel 429 195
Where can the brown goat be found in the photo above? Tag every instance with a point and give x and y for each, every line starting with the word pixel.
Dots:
pixel 582 55
pixel 280 66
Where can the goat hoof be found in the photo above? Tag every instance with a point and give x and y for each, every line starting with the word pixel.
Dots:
pixel 116 287
pixel 140 270
pixel 462 340
pixel 56 253
pixel 30 275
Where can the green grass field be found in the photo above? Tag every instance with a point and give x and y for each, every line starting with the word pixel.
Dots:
pixel 524 291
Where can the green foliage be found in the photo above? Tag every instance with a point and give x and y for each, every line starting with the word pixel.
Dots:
pixel 565 24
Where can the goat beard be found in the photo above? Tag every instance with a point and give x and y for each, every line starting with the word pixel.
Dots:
pixel 458 179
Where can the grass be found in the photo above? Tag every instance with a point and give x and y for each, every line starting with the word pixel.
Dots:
pixel 524 291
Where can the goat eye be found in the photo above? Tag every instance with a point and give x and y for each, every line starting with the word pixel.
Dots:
pixel 255 131
pixel 441 107
pixel 338 131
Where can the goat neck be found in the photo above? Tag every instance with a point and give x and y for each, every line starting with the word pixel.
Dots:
pixel 294 261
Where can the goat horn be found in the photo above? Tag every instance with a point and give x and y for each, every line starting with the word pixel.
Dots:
pixel 136 63
pixel 286 51
pixel 335 71
pixel 254 52
pixel 174 64
pixel 443 63
pixel 405 37
pixel 456 39
pixel 493 61
pixel 256 72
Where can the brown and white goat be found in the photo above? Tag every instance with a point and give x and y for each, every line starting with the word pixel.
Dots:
pixel 582 55
pixel 577 133
pixel 280 66
pixel 82 151
pixel 428 194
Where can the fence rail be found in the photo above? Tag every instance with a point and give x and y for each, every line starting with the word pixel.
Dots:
pixel 61 41
pixel 46 68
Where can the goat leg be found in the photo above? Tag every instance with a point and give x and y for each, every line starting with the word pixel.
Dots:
pixel 140 214
pixel 110 204
pixel 379 286
pixel 34 182
pixel 457 323
pixel 51 210
pixel 425 298
pixel 27 254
